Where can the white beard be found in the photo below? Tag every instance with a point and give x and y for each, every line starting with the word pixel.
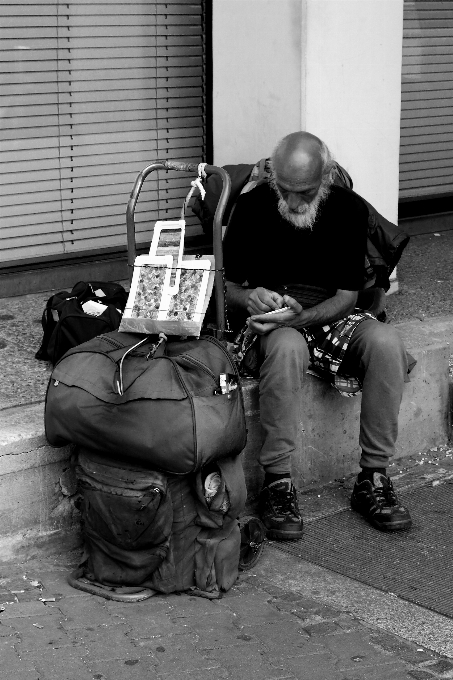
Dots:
pixel 305 215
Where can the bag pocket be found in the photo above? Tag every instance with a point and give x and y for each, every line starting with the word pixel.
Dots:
pixel 126 517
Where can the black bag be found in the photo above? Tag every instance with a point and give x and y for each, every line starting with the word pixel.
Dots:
pixel 143 528
pixel 168 406
pixel 66 324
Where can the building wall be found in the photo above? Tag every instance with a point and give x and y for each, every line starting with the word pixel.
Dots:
pixel 256 76
pixel 332 67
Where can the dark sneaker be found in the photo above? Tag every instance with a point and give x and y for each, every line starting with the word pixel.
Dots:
pixel 378 503
pixel 279 510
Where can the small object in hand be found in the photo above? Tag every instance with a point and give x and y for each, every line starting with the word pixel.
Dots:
pixel 274 311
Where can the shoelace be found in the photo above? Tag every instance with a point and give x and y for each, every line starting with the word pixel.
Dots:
pixel 385 494
pixel 285 503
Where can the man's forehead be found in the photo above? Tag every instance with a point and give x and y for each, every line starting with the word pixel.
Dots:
pixel 298 170
pixel 297 183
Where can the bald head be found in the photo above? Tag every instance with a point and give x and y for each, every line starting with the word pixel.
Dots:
pixel 301 156
pixel 301 169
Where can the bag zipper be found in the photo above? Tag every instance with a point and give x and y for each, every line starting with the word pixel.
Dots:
pixel 199 364
pixel 216 342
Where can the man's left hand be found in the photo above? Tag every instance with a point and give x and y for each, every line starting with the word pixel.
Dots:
pixel 261 324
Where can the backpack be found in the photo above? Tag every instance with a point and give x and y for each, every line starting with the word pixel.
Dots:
pixel 385 242
pixel 168 406
pixel 65 323
pixel 142 528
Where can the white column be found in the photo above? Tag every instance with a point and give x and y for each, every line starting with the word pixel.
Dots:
pixel 352 90
pixel 331 67
pixel 257 76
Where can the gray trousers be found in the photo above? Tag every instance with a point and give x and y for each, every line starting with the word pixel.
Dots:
pixel 376 355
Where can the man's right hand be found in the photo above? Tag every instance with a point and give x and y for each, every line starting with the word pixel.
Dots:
pixel 261 300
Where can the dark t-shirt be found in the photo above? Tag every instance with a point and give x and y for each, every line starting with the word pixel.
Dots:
pixel 263 249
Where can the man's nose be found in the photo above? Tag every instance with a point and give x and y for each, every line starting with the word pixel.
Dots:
pixel 294 201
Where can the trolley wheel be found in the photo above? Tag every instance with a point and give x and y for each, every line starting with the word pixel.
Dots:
pixel 118 594
pixel 253 533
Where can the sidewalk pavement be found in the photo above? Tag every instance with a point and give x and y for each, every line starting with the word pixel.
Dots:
pixel 258 631
pixel 286 619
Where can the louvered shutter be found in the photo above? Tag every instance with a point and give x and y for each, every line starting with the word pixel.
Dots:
pixel 95 92
pixel 426 154
pixel 30 200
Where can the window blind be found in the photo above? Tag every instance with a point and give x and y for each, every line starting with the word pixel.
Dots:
pixel 92 92
pixel 426 153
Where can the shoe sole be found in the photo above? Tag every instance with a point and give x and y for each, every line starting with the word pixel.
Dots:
pixel 276 535
pixel 396 526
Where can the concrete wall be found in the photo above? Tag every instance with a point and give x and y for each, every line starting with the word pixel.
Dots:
pixel 332 67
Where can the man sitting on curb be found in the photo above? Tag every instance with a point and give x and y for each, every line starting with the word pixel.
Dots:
pixel 299 242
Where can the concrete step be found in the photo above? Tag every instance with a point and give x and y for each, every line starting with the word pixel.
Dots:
pixel 37 483
pixel 36 487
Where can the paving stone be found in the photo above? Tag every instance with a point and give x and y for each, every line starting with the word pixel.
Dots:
pixel 388 673
pixel 209 622
pixel 264 585
pixel 405 650
pixel 324 628
pixel 153 607
pixel 324 667
pixel 7 597
pixel 250 598
pixel 9 656
pixel 250 666
pixel 20 674
pixel 81 612
pixel 186 605
pixel 170 660
pixel 420 675
pixel 105 642
pixel 39 631
pixel 173 653
pixel 216 673
pixel 120 669
pixel 32 595
pixel 223 636
pixel 6 629
pixel 354 649
pixel 414 656
pixel 252 612
pixel 62 663
pixel 158 626
pixel 16 610
pixel 441 667
pixel 348 623
pixel 282 641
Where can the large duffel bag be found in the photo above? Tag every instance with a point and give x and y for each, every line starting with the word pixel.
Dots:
pixel 143 528
pixel 168 406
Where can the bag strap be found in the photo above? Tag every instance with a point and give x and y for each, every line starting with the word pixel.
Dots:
pixel 159 348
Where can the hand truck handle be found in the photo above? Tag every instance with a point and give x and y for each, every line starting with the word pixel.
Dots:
pixel 217 230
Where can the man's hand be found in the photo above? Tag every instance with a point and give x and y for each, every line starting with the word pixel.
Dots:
pixel 263 324
pixel 261 300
